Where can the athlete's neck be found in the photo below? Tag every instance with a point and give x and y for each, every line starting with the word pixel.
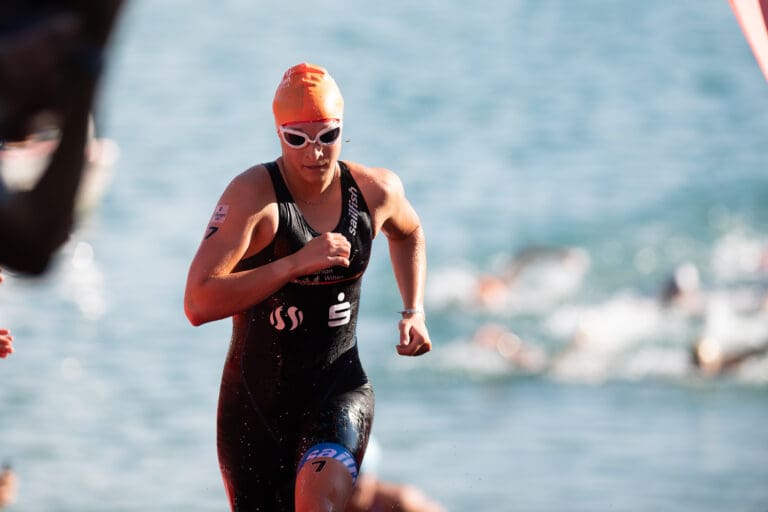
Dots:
pixel 310 185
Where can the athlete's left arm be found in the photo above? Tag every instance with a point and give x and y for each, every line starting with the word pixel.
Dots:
pixel 408 253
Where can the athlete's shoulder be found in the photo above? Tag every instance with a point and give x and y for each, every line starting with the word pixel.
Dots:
pixel 369 172
pixel 252 186
pixel 255 175
pixel 375 180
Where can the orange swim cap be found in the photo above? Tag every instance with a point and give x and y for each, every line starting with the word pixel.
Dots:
pixel 307 93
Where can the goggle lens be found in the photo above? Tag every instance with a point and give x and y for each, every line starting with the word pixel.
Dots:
pixel 298 140
pixel 329 137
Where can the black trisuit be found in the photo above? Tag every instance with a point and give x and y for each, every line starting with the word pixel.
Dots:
pixel 292 378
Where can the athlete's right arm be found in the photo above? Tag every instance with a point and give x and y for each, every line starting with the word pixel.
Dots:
pixel 244 222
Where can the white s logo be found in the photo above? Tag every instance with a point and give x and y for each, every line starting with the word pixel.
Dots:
pixel 339 314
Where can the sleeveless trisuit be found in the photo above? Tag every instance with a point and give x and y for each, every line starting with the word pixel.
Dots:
pixel 292 378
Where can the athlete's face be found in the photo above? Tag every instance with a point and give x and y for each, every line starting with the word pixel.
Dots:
pixel 311 149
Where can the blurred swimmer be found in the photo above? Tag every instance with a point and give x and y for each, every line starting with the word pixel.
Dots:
pixel 6 339
pixel 534 275
pixel 683 289
pixel 509 346
pixel 709 358
pixel 9 486
pixel 372 494
pixel 6 343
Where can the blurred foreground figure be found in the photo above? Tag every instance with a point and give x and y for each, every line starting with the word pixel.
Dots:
pixel 23 163
pixel 50 63
pixel 9 486
pixel 753 19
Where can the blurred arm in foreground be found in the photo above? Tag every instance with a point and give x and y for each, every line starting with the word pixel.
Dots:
pixel 50 65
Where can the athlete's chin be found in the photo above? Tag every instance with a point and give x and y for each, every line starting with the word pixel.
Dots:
pixel 317 168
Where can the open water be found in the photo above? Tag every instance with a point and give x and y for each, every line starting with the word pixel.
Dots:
pixel 636 132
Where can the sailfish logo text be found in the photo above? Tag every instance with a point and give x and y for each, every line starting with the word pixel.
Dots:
pixel 353 210
pixel 280 314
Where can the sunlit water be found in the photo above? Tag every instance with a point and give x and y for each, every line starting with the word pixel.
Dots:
pixel 636 132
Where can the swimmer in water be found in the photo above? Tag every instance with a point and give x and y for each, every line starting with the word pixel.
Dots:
pixel 493 291
pixel 682 290
pixel 9 486
pixel 6 339
pixel 283 255
pixel 372 494
pixel 710 360
pixel 519 354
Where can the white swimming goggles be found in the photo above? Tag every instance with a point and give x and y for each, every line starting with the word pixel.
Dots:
pixel 297 139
